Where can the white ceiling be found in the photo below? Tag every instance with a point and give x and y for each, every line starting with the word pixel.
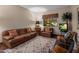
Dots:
pixel 49 7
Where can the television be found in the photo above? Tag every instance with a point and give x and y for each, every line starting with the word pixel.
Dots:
pixel 63 27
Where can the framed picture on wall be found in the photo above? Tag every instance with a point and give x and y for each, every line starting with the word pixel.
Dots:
pixel 78 17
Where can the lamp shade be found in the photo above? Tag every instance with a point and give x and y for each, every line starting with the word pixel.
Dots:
pixel 37 22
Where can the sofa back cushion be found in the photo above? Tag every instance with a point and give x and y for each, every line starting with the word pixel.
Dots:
pixel 13 33
pixel 22 31
pixel 29 30
pixel 46 29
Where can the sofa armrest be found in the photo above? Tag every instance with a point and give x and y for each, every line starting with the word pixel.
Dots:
pixel 8 37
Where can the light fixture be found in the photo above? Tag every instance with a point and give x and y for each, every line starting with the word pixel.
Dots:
pixel 37 24
pixel 38 9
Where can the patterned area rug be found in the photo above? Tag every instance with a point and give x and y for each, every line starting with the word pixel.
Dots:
pixel 38 44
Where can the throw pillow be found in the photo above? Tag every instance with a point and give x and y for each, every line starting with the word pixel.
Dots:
pixel 47 30
pixel 13 33
pixel 29 30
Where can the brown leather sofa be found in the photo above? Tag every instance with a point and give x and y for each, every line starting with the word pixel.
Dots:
pixel 47 32
pixel 14 37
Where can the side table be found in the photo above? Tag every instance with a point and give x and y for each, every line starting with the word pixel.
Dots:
pixel 38 30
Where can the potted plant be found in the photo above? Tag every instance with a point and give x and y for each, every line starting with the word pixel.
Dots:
pixel 67 16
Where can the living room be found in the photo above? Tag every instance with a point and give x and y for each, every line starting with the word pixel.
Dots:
pixel 20 17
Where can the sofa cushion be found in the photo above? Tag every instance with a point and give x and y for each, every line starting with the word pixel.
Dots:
pixel 29 30
pixel 22 31
pixel 21 38
pixel 8 37
pixel 24 35
pixel 47 30
pixel 46 33
pixel 18 37
pixel 13 33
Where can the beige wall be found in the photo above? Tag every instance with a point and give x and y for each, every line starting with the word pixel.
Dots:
pixel 74 19
pixel 12 17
